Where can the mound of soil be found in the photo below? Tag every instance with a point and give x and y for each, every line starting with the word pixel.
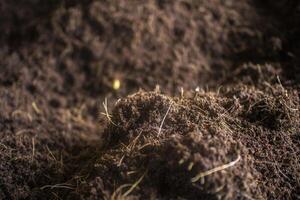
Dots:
pixel 60 59
pixel 168 141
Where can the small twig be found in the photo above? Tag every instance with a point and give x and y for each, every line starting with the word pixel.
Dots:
pixel 191 165
pixel 214 170
pixel 133 143
pixel 61 185
pixel 57 197
pixel 162 122
pixel 134 185
pixel 129 148
pixel 36 109
pixel 117 191
pixel 51 153
pixel 145 145
pixel 121 160
pixel 181 92
pixel 4 146
pixel 33 148
pixel 105 106
pixel 279 81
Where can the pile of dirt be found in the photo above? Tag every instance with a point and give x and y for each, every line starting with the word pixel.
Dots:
pixel 241 142
pixel 167 142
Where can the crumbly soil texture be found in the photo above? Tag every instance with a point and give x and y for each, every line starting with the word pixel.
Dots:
pixel 158 99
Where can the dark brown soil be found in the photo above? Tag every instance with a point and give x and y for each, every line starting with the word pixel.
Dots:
pixel 59 61
pixel 202 130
